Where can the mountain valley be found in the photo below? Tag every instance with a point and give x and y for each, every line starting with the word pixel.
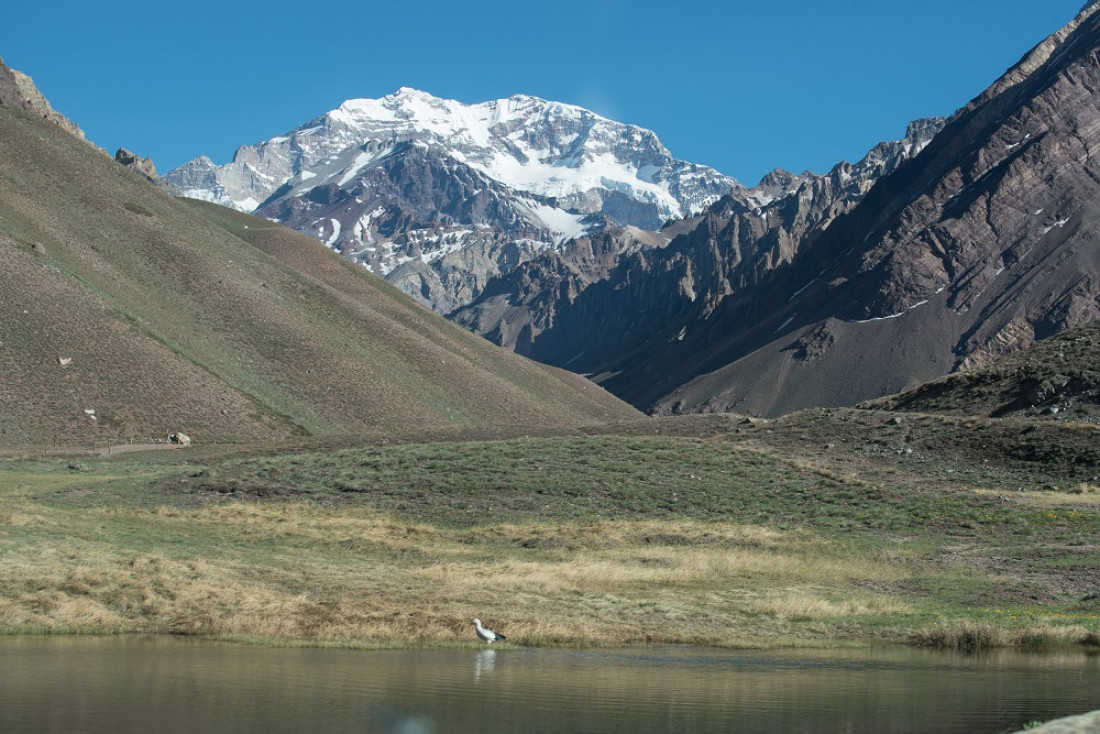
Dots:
pixel 872 394
pixel 582 243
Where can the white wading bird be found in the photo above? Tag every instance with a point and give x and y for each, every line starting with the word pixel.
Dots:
pixel 487 636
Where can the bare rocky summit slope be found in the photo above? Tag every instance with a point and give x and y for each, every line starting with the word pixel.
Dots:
pixel 18 90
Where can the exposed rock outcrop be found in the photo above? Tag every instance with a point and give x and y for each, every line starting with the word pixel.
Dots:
pixel 1055 379
pixel 518 305
pixel 18 90
pixel 144 167
pixel 135 162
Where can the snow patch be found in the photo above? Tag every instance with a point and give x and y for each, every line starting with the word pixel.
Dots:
pixel 795 294
pixel 893 315
pixel 880 318
pixel 363 159
pixel 565 224
pixel 574 359
pixel 362 231
pixel 335 233
pixel 1060 223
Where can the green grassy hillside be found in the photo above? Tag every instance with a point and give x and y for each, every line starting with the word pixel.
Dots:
pixel 163 315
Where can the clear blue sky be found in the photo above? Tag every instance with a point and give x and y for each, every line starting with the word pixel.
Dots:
pixel 741 86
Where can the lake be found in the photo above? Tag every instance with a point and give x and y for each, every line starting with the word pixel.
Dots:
pixel 167 684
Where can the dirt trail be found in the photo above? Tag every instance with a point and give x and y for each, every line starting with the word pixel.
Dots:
pixel 108 450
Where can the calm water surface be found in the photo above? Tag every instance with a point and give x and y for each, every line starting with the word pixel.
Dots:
pixel 139 684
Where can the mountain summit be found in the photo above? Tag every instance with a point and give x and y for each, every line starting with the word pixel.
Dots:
pixel 437 195
pixel 549 149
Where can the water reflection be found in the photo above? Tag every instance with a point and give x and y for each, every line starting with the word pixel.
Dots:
pixel 390 722
pixel 95 685
pixel 484 663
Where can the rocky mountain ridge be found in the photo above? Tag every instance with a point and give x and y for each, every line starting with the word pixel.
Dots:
pixel 975 246
pixel 536 310
pixel 496 183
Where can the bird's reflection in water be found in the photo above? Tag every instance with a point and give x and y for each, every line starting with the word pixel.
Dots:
pixel 396 722
pixel 484 662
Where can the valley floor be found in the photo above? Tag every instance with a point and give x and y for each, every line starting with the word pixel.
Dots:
pixel 823 528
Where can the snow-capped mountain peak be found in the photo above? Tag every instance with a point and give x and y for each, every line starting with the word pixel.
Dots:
pixel 437 195
pixel 526 143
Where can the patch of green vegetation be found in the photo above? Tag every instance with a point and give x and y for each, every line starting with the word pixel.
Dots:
pixel 960 552
pixel 575 478
pixel 766 532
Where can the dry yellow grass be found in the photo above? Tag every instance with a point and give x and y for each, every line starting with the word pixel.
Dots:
pixel 977 635
pixel 798 604
pixel 1083 494
pixel 305 573
pixel 669 567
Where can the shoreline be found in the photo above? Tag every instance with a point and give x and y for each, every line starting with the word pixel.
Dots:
pixel 1090 647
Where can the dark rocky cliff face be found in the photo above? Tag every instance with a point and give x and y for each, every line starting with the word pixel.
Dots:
pixel 979 245
pixel 517 307
pixel 622 296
